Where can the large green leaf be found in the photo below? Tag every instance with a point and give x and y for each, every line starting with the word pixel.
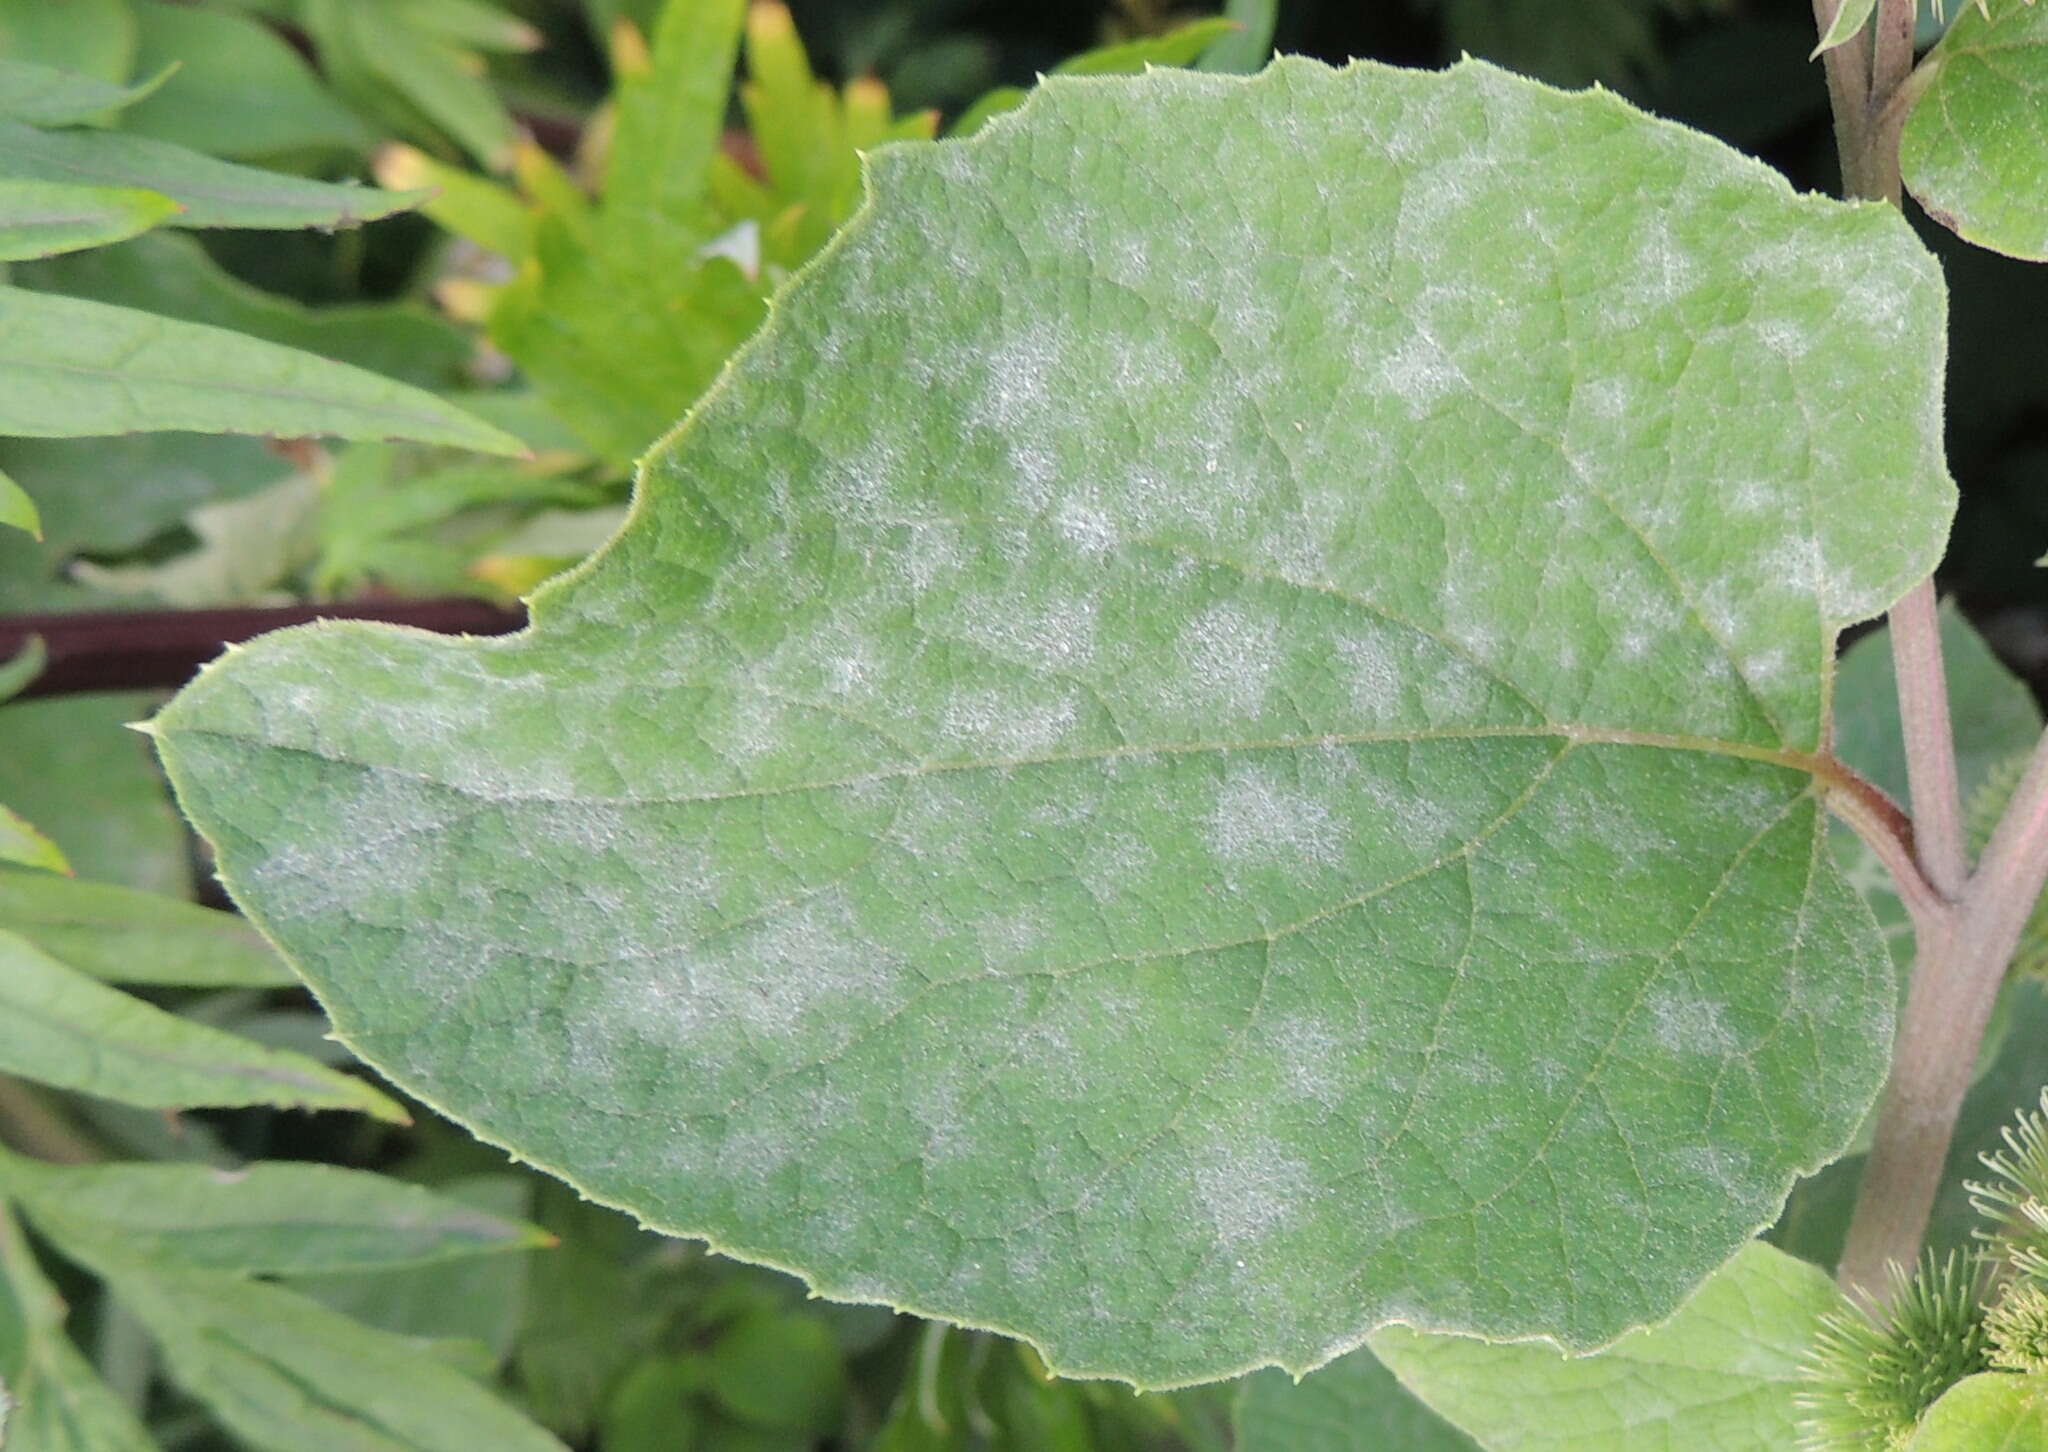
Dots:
pixel 1179 763
pixel 39 219
pixel 1989 1412
pixel 1724 1374
pixel 93 37
pixel 1975 148
pixel 285 1374
pixel 213 193
pixel 281 1219
pixel 71 367
pixel 59 1027
pixel 125 936
pixel 60 1405
pixel 1352 1405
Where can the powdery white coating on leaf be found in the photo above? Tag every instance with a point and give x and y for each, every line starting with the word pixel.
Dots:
pixel 1180 762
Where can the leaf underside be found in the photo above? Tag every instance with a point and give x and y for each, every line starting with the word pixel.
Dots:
pixel 1181 762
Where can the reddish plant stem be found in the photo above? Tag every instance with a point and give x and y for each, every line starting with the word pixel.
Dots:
pixel 161 649
pixel 1937 799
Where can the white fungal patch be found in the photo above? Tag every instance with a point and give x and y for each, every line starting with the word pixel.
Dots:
pixel 1419 374
pixel 1005 724
pixel 1261 820
pixel 1229 655
pixel 1689 1024
pixel 1056 634
pixel 1250 1190
pixel 1084 525
pixel 1372 670
pixel 1309 1054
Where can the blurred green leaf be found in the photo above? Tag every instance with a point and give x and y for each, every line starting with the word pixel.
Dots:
pixel 61 1405
pixel 476 1299
pixel 240 90
pixel 1251 45
pixel 1352 1405
pixel 40 219
pixel 266 1219
pixel 172 274
pixel 213 193
pixel 19 673
pixel 59 1027
pixel 1724 1372
pixel 71 764
pixel 92 37
pixel 671 118
pixel 22 844
pixel 1177 47
pixel 120 935
pixel 70 367
pixel 250 551
pixel 779 1370
pixel 654 1407
pixel 47 96
pixel 285 1374
pixel 400 61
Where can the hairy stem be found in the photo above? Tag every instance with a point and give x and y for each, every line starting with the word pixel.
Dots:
pixel 1965 926
pixel 1937 799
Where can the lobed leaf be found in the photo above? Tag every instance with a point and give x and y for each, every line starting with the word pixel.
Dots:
pixel 123 936
pixel 71 367
pixel 41 219
pixel 212 193
pixel 1724 1373
pixel 264 1219
pixel 1975 148
pixel 60 1027
pixel 1180 762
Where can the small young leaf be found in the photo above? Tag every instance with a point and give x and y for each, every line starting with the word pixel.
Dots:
pixel 123 936
pixel 22 844
pixel 213 193
pixel 70 367
pixel 41 219
pixel 18 511
pixel 1139 664
pixel 285 1374
pixel 58 1403
pixel 1990 1412
pixel 1352 1405
pixel 1850 17
pixel 265 1219
pixel 59 1027
pixel 46 96
pixel 1973 153
pixel 18 674
pixel 1725 1372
